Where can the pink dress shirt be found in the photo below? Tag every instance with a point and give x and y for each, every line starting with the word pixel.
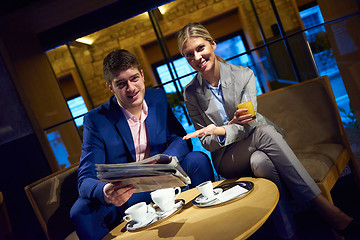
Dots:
pixel 139 132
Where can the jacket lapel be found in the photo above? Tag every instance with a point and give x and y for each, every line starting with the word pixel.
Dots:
pixel 206 101
pixel 122 126
pixel 151 124
pixel 228 89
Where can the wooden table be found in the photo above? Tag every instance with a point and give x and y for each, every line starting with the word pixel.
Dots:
pixel 237 219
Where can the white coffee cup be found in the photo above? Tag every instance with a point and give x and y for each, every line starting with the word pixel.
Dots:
pixel 206 189
pixel 139 212
pixel 165 198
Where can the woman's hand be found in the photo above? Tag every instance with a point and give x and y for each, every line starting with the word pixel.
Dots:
pixel 117 195
pixel 209 130
pixel 240 117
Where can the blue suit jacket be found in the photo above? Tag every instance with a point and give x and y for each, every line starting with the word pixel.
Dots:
pixel 107 139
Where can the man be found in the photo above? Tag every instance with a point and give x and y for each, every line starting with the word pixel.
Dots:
pixel 134 124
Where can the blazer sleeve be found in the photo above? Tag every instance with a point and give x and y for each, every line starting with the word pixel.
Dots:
pixel 93 152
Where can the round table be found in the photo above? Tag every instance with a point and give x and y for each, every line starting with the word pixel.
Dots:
pixel 237 219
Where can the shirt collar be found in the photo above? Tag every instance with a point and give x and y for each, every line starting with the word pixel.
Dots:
pixel 130 117
pixel 213 88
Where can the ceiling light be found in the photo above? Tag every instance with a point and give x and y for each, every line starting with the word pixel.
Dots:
pixel 85 40
pixel 162 9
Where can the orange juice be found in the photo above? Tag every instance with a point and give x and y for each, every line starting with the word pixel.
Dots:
pixel 249 106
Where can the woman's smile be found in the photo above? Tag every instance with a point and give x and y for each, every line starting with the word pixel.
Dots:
pixel 203 64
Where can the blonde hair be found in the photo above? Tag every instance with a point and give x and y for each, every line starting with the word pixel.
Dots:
pixel 194 30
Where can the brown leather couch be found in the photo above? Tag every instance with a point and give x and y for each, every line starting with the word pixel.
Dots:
pixel 308 114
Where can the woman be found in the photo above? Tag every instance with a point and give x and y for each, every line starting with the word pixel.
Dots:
pixel 239 144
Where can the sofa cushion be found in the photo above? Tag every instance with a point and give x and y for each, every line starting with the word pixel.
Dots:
pixel 318 159
pixel 303 112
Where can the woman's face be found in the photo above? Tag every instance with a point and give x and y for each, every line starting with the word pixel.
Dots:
pixel 199 53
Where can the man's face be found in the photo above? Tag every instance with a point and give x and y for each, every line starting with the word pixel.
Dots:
pixel 129 88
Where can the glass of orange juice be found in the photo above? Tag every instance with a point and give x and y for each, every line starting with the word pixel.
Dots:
pixel 247 103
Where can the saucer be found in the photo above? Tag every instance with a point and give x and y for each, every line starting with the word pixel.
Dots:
pixel 132 225
pixel 230 192
pixel 158 217
pixel 162 214
pixel 202 199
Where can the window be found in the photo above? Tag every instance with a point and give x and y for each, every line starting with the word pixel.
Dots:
pixel 324 58
pixel 58 148
pixel 77 107
pixel 182 68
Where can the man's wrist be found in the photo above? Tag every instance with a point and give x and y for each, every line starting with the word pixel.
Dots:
pixel 105 196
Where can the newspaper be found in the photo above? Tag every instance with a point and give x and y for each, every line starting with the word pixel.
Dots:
pixel 159 171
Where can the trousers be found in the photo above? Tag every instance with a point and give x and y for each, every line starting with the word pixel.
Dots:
pixel 266 154
pixel 93 220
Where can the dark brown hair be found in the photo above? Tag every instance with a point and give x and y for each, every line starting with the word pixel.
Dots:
pixel 117 61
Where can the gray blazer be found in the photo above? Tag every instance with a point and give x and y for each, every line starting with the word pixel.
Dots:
pixel 200 103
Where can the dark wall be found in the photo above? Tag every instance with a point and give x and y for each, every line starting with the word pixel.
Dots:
pixel 22 160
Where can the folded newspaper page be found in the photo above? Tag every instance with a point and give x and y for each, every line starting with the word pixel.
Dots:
pixel 159 171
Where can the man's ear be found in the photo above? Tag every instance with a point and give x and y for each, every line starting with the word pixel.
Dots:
pixel 110 88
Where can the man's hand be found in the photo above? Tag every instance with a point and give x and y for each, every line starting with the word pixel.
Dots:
pixel 116 195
